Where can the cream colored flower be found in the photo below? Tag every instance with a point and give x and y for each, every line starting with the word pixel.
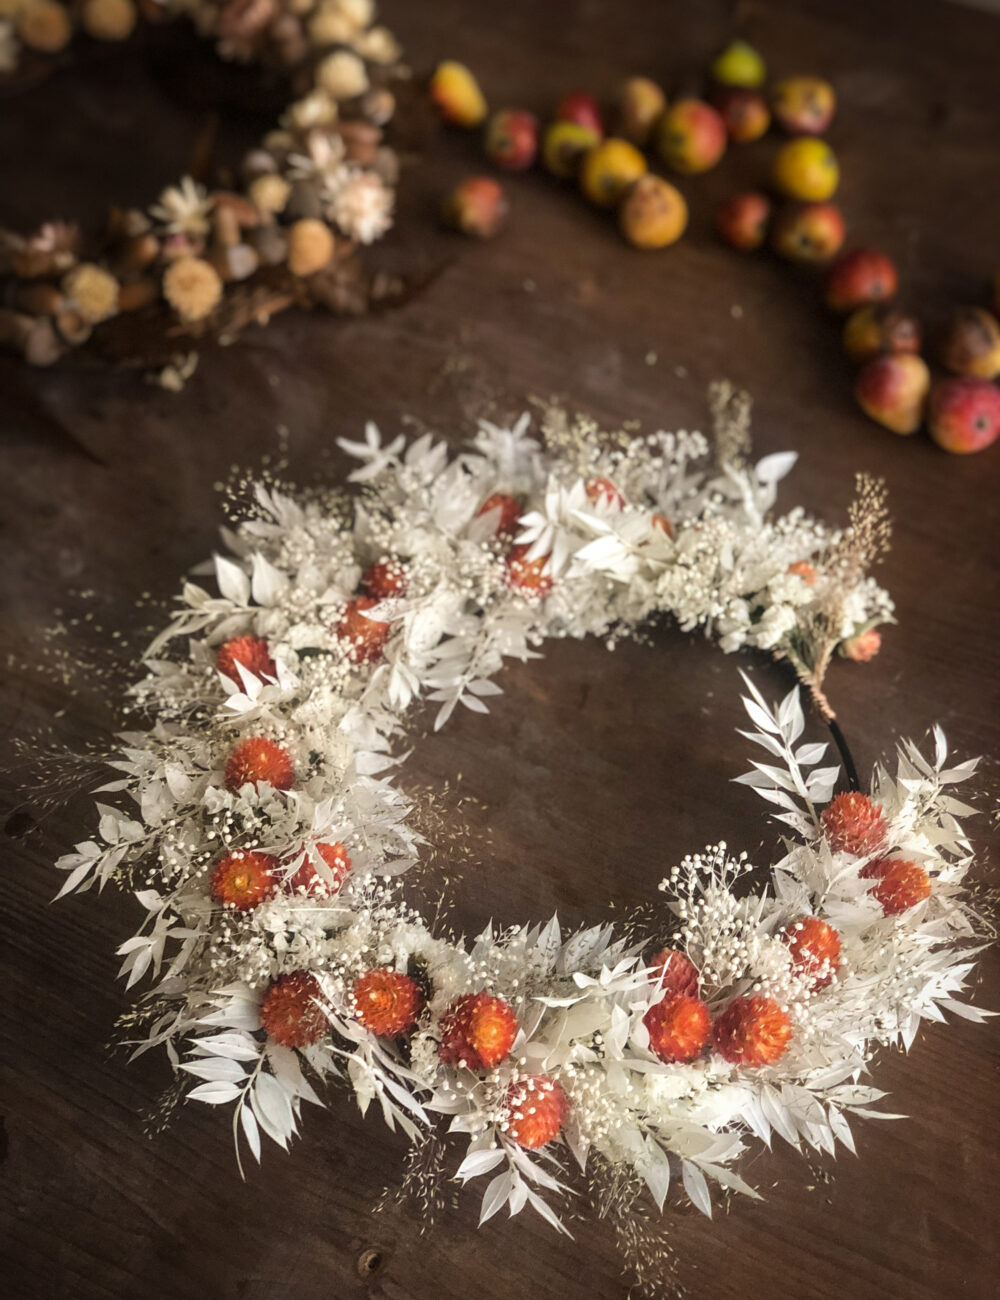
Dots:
pixel 192 287
pixel 362 207
pixel 93 290
pixel 183 209
pixel 314 109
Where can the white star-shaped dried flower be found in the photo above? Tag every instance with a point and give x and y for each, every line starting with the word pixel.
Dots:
pixel 361 206
pixel 377 459
pixel 183 209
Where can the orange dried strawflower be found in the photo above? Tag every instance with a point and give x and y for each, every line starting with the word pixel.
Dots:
pixel 306 879
pixel 387 1001
pixel 477 1031
pixel 258 760
pixel 527 575
pixel 510 510
pixel 815 949
pixel 899 884
pixel 537 1110
pixel 243 879
pixel 675 971
pixel 679 1027
pixel 384 578
pixel 752 1031
pixel 366 636
pixel 250 651
pixel 853 823
pixel 289 1012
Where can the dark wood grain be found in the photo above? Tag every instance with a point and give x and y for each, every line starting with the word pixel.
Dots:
pixel 595 771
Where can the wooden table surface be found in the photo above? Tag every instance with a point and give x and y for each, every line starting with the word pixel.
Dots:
pixel 596 771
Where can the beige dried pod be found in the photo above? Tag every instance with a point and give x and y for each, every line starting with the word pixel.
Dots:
pixel 378 46
pixel 73 327
pixel 342 75
pixel 109 20
pixel 270 193
pixel 44 25
pixel 310 246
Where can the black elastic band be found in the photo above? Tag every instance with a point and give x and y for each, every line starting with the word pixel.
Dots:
pixel 845 754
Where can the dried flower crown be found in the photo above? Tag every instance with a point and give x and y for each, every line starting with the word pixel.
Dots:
pixel 267 842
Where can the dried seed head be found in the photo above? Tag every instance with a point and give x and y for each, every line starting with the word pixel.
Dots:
pixel 193 287
pixel 93 290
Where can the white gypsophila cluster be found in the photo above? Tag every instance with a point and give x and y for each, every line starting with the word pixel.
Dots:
pixel 605 539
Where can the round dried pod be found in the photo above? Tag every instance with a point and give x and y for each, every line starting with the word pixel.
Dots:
pixel 386 165
pixel 243 211
pixel 40 299
pixel 138 294
pixel 73 328
pixel 236 261
pixel 109 20
pixel 137 253
pixel 32 336
pixel 359 13
pixel 303 201
pixel 310 246
pixel 280 143
pixel 93 290
pixel 258 162
pixel 342 75
pixel 328 26
pixel 271 243
pixel 193 287
pixel 44 25
pixel 41 343
pixel 378 45
pixel 314 109
pixel 378 106
pixel 361 141
pixel 270 193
